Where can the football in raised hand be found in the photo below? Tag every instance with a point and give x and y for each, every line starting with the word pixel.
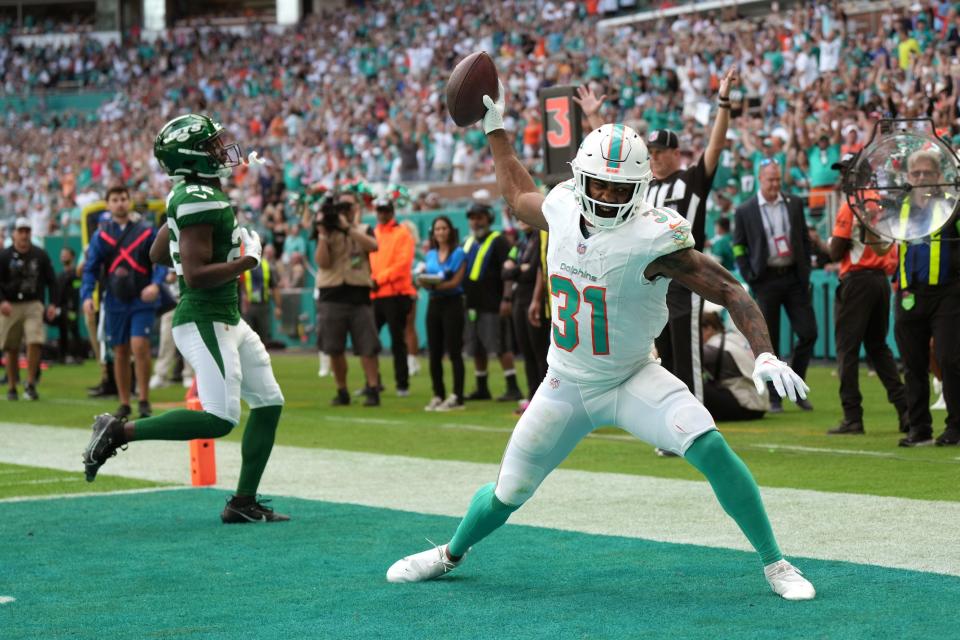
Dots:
pixel 474 77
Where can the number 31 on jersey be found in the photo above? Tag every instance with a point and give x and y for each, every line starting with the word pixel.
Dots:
pixel 566 328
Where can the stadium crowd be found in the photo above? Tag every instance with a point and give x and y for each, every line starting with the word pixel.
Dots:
pixel 359 100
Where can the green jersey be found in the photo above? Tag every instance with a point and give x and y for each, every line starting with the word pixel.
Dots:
pixel 190 203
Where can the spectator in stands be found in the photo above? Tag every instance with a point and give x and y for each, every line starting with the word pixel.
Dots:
pixel 258 287
pixel 772 250
pixel 862 317
pixel 343 283
pixel 729 392
pixel 70 346
pixel 489 331
pixel 442 276
pixel 391 267
pixel 26 276
pixel 131 297
pixel 721 246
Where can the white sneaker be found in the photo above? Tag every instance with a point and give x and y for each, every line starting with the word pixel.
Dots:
pixel 940 404
pixel 787 581
pixel 435 402
pixel 451 404
pixel 425 565
pixel 324 365
pixel 413 365
pixel 157 382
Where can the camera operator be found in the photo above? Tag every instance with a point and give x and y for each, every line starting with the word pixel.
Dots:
pixel 25 271
pixel 343 293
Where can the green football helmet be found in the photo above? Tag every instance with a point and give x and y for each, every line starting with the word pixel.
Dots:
pixel 192 145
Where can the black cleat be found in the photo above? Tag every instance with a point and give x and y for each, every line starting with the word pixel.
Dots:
pixel 804 404
pixel 12 395
pixel 247 509
pixel 373 397
pixel 917 438
pixel 479 394
pixel 511 395
pixel 949 438
pixel 342 398
pixel 145 409
pixel 103 390
pixel 847 428
pixel 106 439
pixel 30 392
pixel 776 405
pixel 123 412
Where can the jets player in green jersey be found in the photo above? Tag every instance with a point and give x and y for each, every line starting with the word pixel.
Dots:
pixel 610 259
pixel 209 250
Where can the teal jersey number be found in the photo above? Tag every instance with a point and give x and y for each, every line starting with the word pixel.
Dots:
pixel 567 335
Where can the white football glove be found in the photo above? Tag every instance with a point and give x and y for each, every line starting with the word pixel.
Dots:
pixel 252 246
pixel 493 119
pixel 784 379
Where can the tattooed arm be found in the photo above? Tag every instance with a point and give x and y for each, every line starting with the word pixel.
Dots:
pixel 708 278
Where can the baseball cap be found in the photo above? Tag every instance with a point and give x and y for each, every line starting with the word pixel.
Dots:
pixel 663 139
pixel 844 162
pixel 23 222
pixel 479 208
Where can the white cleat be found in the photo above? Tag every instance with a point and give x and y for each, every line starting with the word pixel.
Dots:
pixel 787 581
pixel 425 565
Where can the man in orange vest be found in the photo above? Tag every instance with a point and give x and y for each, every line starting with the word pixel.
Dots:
pixel 391 267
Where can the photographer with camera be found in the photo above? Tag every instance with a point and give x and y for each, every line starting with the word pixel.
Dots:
pixel 343 293
pixel 25 272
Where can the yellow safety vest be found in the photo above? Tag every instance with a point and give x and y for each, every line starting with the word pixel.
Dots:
pixel 481 253
pixel 933 277
pixel 248 282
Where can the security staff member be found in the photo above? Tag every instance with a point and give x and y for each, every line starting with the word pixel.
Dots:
pixel 928 304
pixel 25 272
pixel 132 296
pixel 488 323
pixel 772 248
pixel 862 316
pixel 257 287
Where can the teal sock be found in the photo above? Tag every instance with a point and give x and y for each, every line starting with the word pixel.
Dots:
pixel 485 515
pixel 736 490
pixel 258 437
pixel 181 424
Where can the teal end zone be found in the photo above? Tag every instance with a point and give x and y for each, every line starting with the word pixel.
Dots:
pixel 161 565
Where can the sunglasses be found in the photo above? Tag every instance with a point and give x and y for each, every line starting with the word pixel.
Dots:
pixel 921 173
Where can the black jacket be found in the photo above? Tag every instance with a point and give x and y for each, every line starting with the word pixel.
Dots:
pixel 750 239
pixel 24 276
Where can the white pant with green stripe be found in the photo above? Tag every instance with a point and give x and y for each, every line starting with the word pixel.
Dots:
pixel 230 363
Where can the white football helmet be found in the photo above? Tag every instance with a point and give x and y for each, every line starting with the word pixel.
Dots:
pixel 612 153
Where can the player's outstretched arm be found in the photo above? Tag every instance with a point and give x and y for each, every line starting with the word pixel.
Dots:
pixel 196 255
pixel 160 249
pixel 708 278
pixel 513 179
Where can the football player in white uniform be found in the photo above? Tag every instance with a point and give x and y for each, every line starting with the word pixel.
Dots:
pixel 610 259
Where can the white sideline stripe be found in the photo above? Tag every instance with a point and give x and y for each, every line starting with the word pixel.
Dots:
pixel 831 526
pixel 7 599
pixel 68 496
pixel 39 481
pixel 845 452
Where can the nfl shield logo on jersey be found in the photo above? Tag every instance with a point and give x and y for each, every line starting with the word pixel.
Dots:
pixel 581 248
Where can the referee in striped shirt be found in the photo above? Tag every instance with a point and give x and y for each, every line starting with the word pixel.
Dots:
pixel 685 191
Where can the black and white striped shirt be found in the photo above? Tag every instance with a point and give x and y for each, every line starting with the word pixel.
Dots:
pixel 684 191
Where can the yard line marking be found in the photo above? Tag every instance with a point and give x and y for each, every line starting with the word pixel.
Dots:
pixel 39 481
pixel 7 599
pixel 69 496
pixel 844 452
pixel 459 426
pixel 660 509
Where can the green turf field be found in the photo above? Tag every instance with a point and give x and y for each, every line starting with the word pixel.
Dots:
pixel 141 560
pixel 786 450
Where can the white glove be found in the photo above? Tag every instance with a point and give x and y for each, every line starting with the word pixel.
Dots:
pixel 784 379
pixel 493 119
pixel 251 244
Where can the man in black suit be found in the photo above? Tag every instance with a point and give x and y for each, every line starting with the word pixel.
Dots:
pixel 772 248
